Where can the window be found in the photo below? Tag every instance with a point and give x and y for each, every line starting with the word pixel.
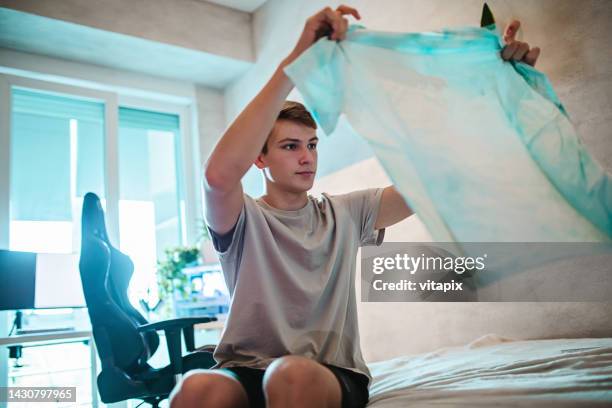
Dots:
pixel 57 154
pixel 151 204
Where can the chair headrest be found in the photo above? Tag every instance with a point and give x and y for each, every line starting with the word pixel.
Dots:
pixel 92 223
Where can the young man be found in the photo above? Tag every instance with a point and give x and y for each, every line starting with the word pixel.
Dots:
pixel 291 338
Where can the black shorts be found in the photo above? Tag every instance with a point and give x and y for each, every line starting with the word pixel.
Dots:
pixel 354 386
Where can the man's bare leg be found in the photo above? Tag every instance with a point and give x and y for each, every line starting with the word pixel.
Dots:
pixel 208 389
pixel 298 382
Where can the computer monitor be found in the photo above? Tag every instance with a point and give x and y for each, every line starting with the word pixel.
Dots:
pixel 39 281
pixel 17 280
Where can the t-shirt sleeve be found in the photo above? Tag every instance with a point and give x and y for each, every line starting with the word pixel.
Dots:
pixel 363 206
pixel 230 244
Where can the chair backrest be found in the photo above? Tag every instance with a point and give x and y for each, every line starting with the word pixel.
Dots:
pixel 105 275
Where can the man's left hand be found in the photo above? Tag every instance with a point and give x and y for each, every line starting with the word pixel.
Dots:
pixel 517 50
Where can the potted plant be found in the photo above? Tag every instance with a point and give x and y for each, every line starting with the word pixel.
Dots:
pixel 171 280
pixel 170 277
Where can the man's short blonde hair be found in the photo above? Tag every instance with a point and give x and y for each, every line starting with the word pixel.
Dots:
pixel 293 112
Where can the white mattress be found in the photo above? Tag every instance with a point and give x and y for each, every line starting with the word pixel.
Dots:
pixel 493 371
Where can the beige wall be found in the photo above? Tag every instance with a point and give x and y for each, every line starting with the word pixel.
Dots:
pixel 574 37
pixel 211 118
pixel 190 24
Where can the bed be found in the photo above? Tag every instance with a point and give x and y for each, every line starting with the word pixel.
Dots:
pixel 496 371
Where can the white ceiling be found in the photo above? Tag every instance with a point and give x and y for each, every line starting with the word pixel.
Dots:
pixel 60 39
pixel 244 5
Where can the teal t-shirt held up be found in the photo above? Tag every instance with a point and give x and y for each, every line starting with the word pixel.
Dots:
pixel 480 148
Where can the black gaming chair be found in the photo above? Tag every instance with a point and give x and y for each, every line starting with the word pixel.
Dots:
pixel 124 339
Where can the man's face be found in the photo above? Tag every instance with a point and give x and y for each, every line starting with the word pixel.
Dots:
pixel 291 160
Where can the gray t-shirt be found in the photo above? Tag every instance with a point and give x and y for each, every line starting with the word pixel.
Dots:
pixel 291 278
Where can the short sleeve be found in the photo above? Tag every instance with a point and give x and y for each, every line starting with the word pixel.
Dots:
pixel 363 206
pixel 229 245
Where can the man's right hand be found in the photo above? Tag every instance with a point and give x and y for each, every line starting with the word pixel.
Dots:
pixel 327 22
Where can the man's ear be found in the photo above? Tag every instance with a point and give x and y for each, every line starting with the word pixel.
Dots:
pixel 259 162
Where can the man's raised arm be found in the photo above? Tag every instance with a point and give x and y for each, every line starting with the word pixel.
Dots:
pixel 237 150
pixel 244 139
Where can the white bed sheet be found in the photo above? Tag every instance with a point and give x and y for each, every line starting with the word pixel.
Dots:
pixel 494 371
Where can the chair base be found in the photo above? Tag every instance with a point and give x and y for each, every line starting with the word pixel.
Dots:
pixel 154 402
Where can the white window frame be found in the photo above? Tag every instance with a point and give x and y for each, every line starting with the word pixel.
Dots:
pixel 113 100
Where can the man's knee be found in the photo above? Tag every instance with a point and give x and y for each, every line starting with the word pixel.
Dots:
pixel 291 370
pixel 298 377
pixel 208 388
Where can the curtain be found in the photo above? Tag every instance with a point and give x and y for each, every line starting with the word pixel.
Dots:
pixel 47 153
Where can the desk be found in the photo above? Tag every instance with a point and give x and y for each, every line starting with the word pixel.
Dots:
pixel 216 325
pixel 46 338
pixel 59 337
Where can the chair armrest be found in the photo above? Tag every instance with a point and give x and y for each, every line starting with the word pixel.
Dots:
pixel 210 348
pixel 178 323
pixel 172 328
